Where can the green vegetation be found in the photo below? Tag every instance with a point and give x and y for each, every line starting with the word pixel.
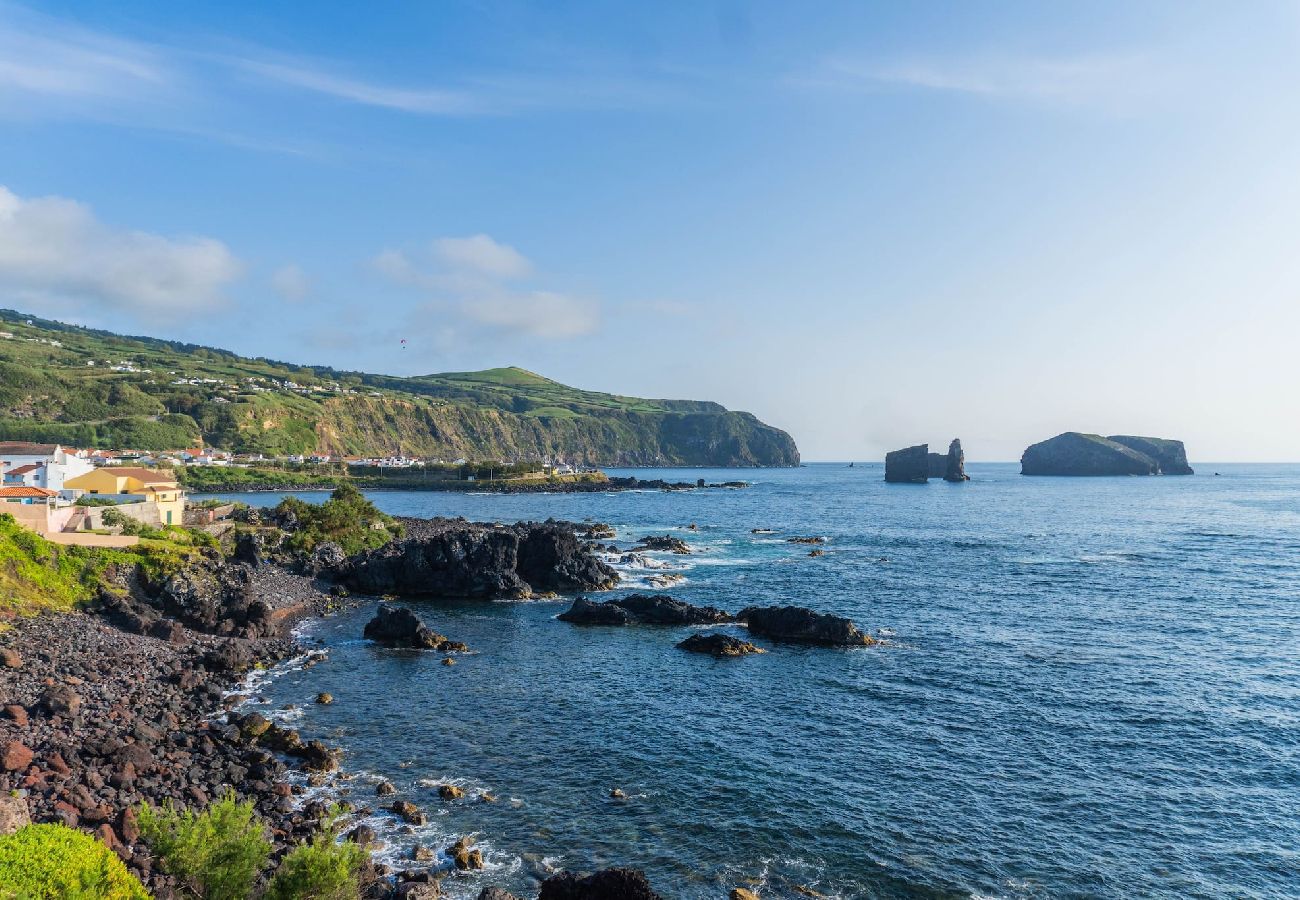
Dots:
pixel 216 853
pixel 321 869
pixel 138 395
pixel 36 575
pixel 347 518
pixel 225 479
pixel 54 862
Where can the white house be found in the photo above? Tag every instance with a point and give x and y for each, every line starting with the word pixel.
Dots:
pixel 54 464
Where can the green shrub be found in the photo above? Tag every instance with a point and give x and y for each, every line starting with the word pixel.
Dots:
pixel 322 869
pixel 347 518
pixel 217 853
pixel 54 862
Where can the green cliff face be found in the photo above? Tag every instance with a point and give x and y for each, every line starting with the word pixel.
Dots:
pixel 149 394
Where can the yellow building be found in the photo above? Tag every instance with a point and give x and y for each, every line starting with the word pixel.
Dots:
pixel 135 482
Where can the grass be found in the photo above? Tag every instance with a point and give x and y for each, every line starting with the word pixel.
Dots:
pixel 38 576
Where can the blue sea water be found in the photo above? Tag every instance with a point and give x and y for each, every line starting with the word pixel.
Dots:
pixel 1085 688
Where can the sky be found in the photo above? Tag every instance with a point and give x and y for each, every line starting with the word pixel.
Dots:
pixel 870 224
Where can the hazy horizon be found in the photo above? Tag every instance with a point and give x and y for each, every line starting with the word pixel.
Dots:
pixel 875 227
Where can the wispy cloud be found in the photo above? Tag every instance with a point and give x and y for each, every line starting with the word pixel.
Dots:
pixel 426 101
pixel 55 254
pixel 1098 79
pixel 478 280
pixel 48 58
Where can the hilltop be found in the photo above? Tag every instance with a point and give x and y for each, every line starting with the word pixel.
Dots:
pixel 89 387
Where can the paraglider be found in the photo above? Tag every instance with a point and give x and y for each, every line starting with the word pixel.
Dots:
pixel 403 343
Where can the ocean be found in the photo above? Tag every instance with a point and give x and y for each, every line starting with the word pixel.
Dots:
pixel 1084 688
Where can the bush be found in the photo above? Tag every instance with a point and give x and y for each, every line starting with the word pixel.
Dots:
pixel 347 518
pixel 322 869
pixel 54 862
pixel 217 852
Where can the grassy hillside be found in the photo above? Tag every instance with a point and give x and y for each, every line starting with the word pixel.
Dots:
pixel 93 388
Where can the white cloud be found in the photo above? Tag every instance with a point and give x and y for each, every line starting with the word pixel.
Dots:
pixel 1097 79
pixel 291 283
pixel 54 251
pixel 479 254
pixel 474 279
pixel 429 101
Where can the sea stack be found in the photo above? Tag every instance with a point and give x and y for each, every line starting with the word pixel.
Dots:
pixel 911 465
pixel 1077 453
pixel 955 469
pixel 916 465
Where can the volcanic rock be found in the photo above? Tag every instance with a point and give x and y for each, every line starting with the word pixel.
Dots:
pixel 642 609
pixel 910 465
pixel 719 645
pixel 797 624
pixel 1075 453
pixel 607 884
pixel 396 626
pixel 455 558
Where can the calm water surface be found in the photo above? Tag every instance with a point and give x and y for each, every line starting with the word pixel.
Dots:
pixel 1087 688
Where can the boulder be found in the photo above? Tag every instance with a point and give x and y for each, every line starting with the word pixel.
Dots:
pixel 642 609
pixel 450 792
pixel 797 624
pixel 60 700
pixel 1076 453
pixel 15 756
pixel 409 812
pixel 742 894
pixel 495 893
pixel 462 857
pixel 232 656
pixel 10 658
pixel 396 626
pixel 607 884
pixel 719 645
pixel 910 465
pixel 14 814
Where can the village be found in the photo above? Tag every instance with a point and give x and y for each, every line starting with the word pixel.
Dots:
pixel 91 497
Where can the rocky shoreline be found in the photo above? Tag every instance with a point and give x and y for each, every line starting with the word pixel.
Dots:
pixel 135 699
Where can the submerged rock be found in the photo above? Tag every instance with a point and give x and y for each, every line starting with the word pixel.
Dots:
pixel 1076 453
pixel 642 609
pixel 719 645
pixel 396 626
pixel 797 624
pixel 665 543
pixel 607 884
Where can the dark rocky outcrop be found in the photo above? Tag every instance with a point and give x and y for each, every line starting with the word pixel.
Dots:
pixel 642 609
pixel 1076 453
pixel 796 624
pixel 666 543
pixel 955 463
pixel 720 645
pixel 455 558
pixel 607 884
pixel 395 626
pixel 911 465
pixel 1170 456
pixel 916 465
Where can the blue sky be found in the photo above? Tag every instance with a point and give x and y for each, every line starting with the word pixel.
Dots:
pixel 870 224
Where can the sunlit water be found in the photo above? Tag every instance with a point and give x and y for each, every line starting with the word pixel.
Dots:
pixel 1088 687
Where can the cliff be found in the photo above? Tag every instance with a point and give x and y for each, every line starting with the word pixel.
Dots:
pixel 1076 453
pixel 87 387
